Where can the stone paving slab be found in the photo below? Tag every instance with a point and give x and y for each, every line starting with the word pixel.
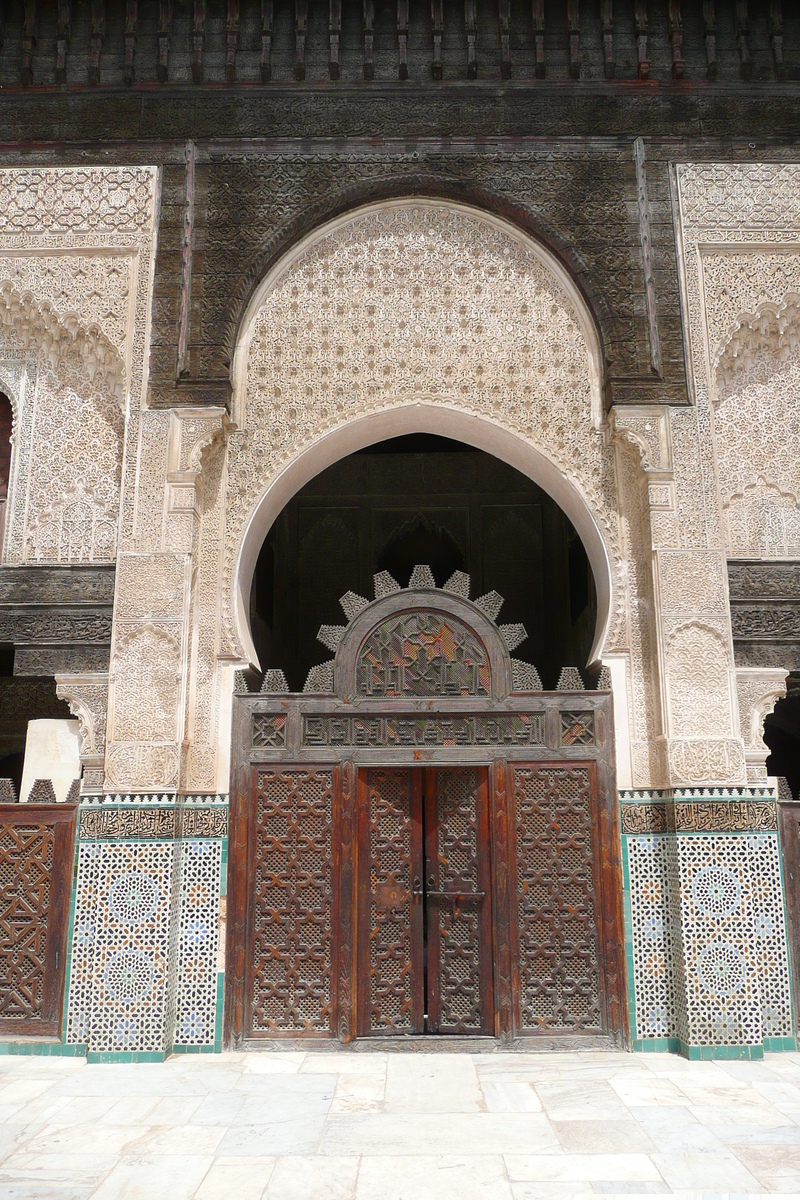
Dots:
pixel 399 1126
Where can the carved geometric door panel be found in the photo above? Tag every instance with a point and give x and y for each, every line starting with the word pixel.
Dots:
pixel 37 844
pixel 558 963
pixel 424 902
pixel 289 968
pixel 457 901
pixel 391 939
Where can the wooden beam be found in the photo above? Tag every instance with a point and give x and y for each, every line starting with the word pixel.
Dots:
pixel 29 41
pixel 676 38
pixel 198 39
pixel 776 38
pixel 232 23
pixel 164 38
pixel 471 23
pixel 710 33
pixel 641 39
pixel 437 23
pixel 402 38
pixel 505 38
pixel 538 38
pixel 300 31
pixel 608 38
pixel 266 41
pixel 369 34
pixel 574 31
pixel 743 40
pixel 334 33
pixel 96 40
pixel 63 33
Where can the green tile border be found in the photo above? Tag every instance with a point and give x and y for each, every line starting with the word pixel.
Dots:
pixel 126 1056
pixel 220 1003
pixel 43 1049
pixel 780 1045
pixel 73 900
pixel 706 1053
pixel 628 922
pixel 656 1045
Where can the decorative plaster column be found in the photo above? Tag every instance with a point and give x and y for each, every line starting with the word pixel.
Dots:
pixel 145 977
pixel 701 738
pixel 707 952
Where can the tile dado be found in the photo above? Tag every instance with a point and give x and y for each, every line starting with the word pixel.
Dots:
pixel 707 945
pixel 144 972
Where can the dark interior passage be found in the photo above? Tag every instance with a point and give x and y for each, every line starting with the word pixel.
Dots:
pixel 422 499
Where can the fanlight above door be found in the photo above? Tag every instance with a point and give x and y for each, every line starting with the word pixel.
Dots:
pixel 422 641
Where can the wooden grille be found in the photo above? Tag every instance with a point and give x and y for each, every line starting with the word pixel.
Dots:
pixel 392 941
pixel 459 928
pixel 422 654
pixel 291 965
pixel 556 911
pixel 36 850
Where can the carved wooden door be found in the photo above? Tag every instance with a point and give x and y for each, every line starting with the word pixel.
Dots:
pixel 288 979
pixel 567 928
pixel 425 948
pixel 37 846
pixel 457 901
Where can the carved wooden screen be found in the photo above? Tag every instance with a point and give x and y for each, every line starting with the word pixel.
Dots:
pixel 37 844
pixel 423 654
pixel 424 902
pixel 458 901
pixel 391 933
pixel 290 966
pixel 556 898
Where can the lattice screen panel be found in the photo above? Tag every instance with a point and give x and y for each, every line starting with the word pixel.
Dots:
pixel 293 893
pixel 26 863
pixel 459 925
pixel 558 957
pixel 390 939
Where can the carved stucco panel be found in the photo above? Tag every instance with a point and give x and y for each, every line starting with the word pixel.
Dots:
pixel 758 691
pixel 698 761
pixel 648 768
pixel 757 429
pixel 150 585
pixel 87 696
pixel 147 684
pixel 416 300
pixel 202 451
pixel 147 677
pixel 76 259
pixel 698 681
pixel 740 231
pixel 692 582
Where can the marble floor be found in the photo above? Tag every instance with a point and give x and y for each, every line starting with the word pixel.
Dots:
pixel 400 1126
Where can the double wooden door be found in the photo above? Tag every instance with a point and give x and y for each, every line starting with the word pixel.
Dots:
pixel 399 900
pixel 424 912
